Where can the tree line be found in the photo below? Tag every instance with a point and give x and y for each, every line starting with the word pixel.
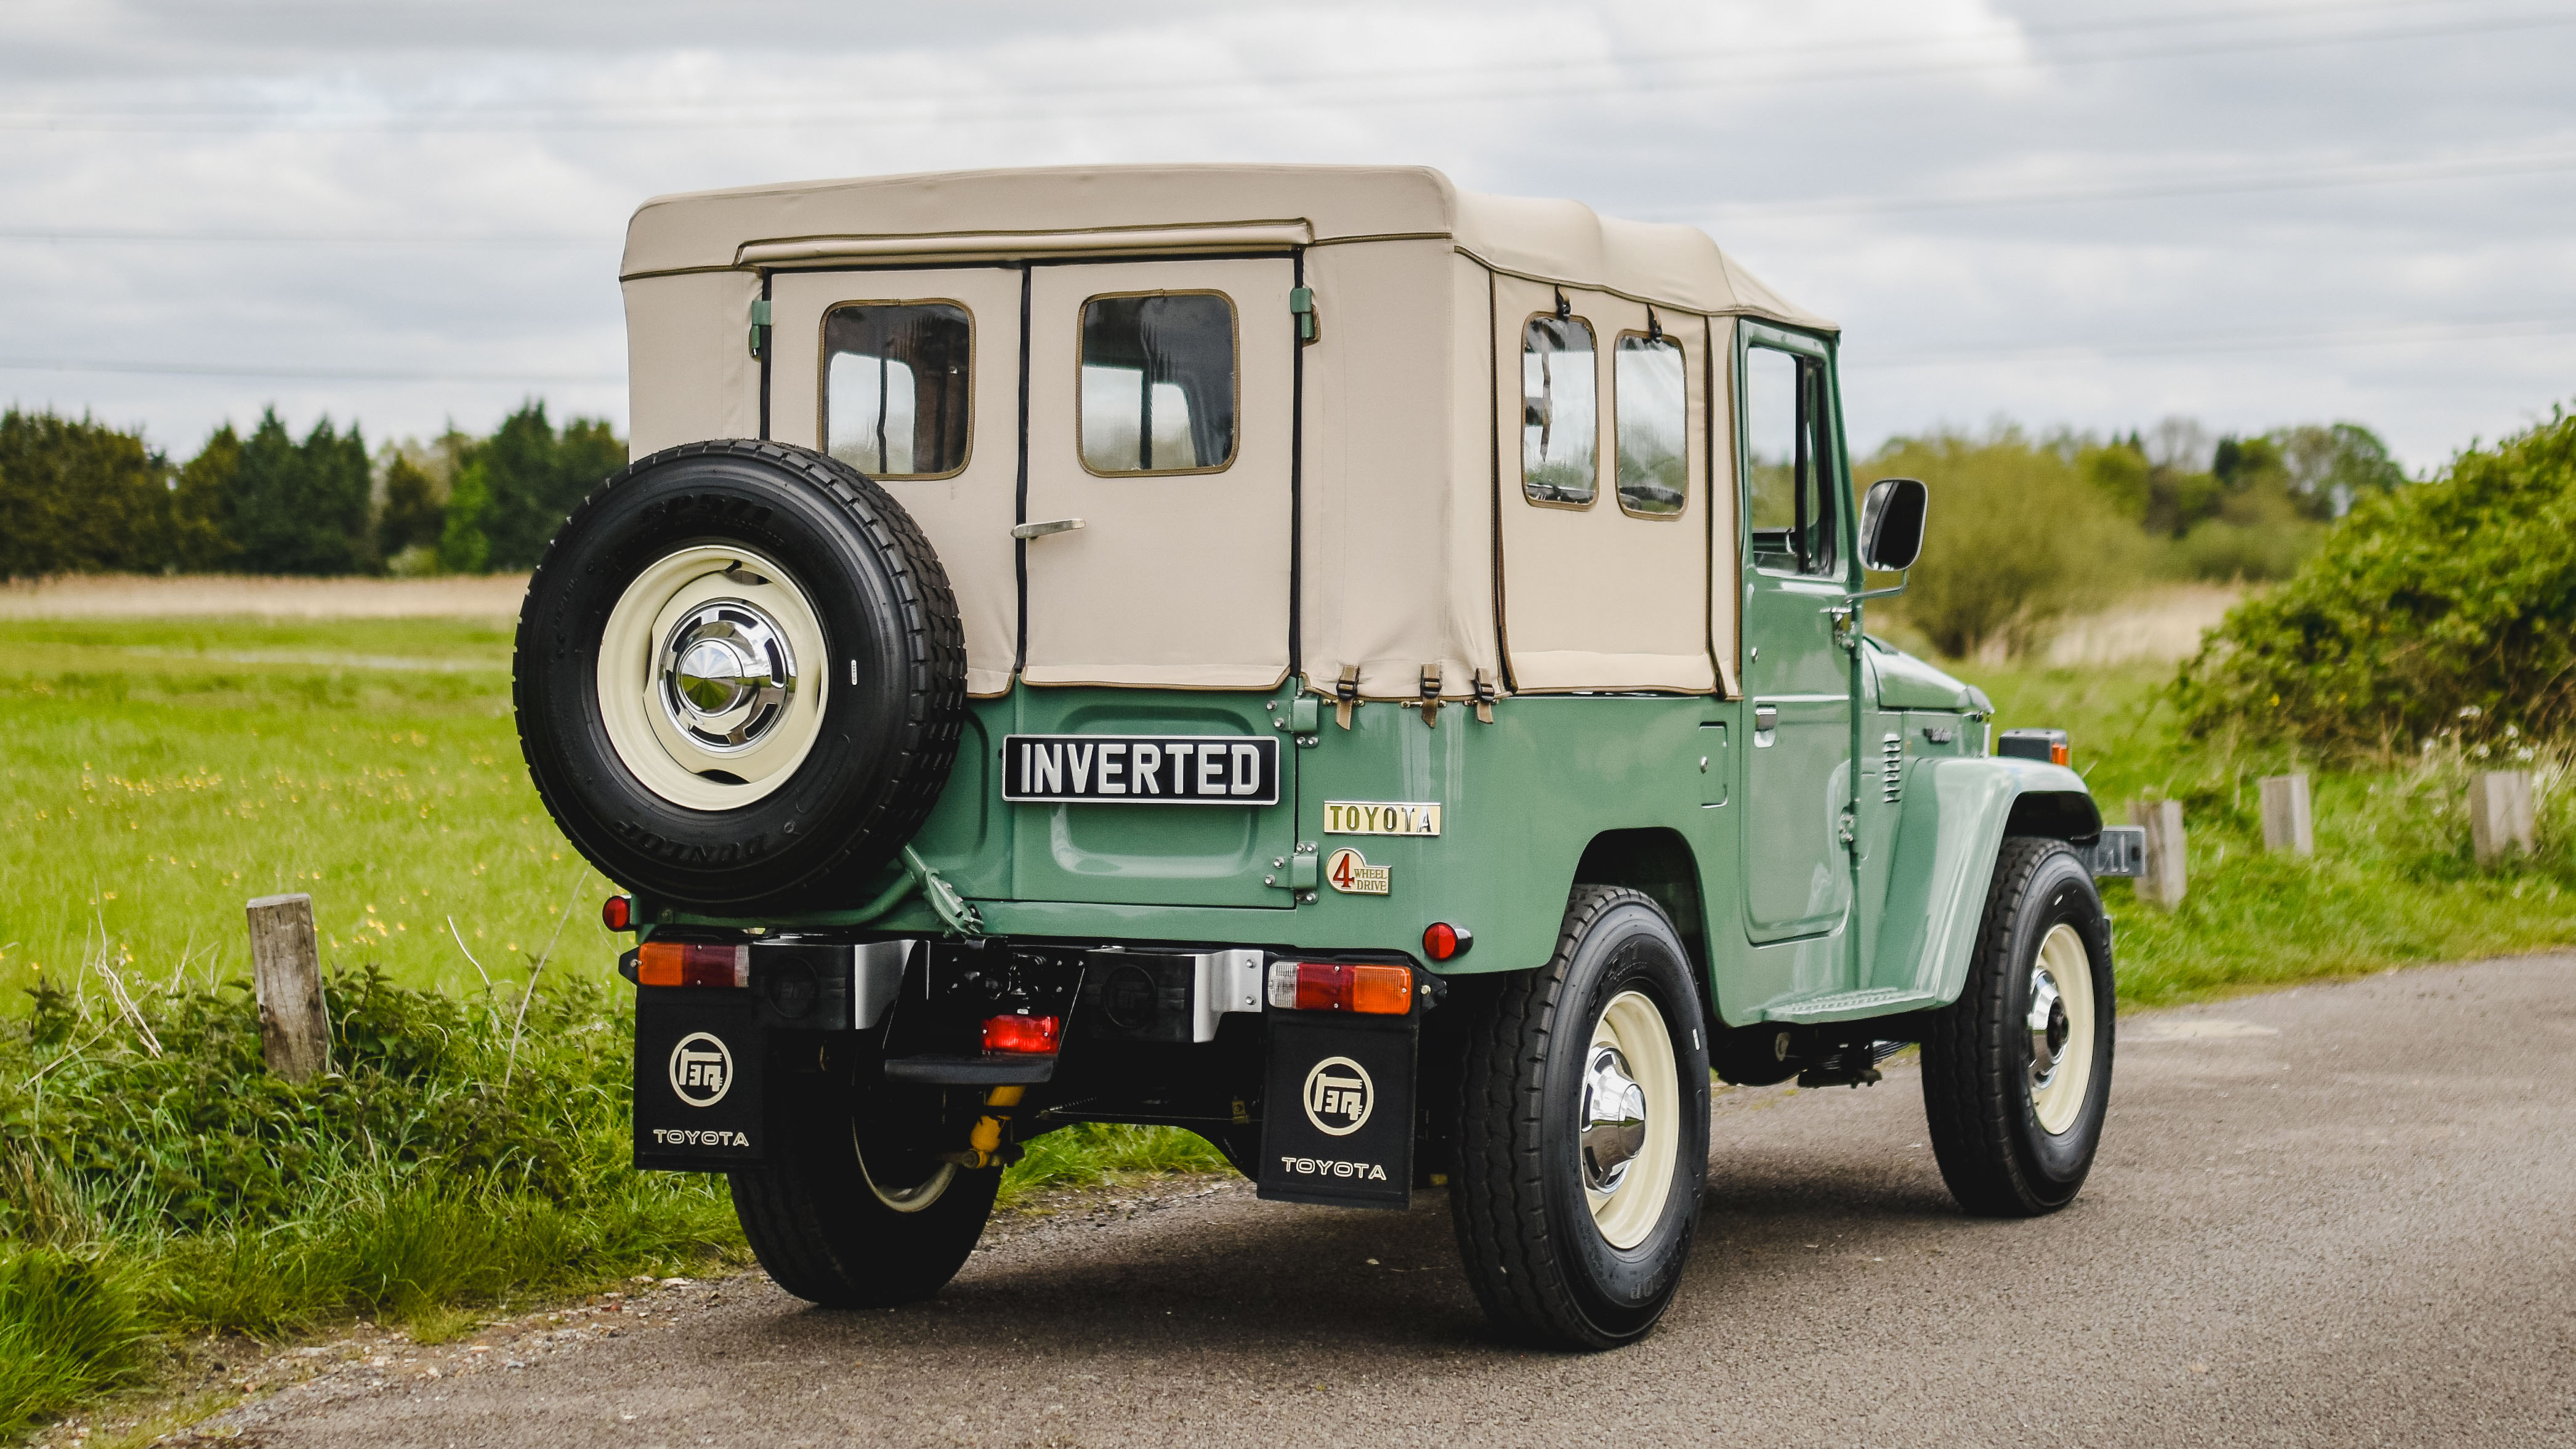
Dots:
pixel 2025 529
pixel 80 496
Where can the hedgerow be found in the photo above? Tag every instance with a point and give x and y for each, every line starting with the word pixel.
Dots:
pixel 2443 610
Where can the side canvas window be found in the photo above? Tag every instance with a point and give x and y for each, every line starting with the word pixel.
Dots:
pixel 1560 416
pixel 896 380
pixel 1789 480
pixel 1158 383
pixel 1652 416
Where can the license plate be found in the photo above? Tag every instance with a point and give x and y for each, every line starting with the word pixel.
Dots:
pixel 1141 769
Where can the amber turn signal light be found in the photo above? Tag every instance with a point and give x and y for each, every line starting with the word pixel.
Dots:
pixel 1033 1035
pixel 692 963
pixel 1442 941
pixel 1341 986
pixel 617 913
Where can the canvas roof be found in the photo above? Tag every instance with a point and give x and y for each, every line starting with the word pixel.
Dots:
pixel 1053 210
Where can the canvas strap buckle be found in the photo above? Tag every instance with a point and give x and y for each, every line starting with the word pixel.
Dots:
pixel 1346 695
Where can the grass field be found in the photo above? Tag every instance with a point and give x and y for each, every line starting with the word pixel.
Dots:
pixel 155 773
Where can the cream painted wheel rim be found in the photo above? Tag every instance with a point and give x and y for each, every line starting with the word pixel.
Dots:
pixel 1630 1201
pixel 904 1199
pixel 728 600
pixel 2059 1017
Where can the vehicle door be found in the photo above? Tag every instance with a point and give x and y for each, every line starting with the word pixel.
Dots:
pixel 1797 782
pixel 912 377
pixel 1159 522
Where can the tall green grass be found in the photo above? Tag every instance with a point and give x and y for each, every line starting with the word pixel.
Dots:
pixel 2392 882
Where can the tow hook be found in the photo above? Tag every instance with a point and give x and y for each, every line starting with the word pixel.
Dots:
pixel 984 1145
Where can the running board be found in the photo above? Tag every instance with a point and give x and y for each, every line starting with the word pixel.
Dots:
pixel 1850 1006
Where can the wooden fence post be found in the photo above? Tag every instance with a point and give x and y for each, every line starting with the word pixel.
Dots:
pixel 2163 882
pixel 286 968
pixel 2287 822
pixel 2500 814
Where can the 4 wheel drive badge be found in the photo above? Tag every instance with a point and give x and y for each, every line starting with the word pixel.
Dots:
pixel 1349 872
pixel 1339 1096
pixel 701 1069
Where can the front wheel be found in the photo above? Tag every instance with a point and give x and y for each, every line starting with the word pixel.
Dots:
pixel 1583 1131
pixel 856 1210
pixel 2017 1071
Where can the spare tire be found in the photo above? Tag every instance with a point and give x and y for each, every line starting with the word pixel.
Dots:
pixel 740 677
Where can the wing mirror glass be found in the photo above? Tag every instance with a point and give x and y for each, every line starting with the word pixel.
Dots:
pixel 1891 524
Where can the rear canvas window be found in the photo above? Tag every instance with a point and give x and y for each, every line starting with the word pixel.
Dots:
pixel 1158 383
pixel 1647 384
pixel 1560 439
pixel 896 378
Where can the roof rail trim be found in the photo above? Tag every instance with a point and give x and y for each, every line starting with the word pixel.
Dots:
pixel 1230 236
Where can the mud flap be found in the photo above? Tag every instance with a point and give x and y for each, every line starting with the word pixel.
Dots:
pixel 698 1079
pixel 1337 1111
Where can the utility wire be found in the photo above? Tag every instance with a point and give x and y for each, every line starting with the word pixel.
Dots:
pixel 319 374
pixel 1372 92
pixel 2213 342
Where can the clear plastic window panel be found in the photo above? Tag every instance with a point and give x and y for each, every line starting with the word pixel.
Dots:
pixel 1158 383
pixel 1560 419
pixel 1649 385
pixel 897 380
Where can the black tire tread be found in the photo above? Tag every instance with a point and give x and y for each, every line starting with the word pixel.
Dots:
pixel 934 637
pixel 1965 1063
pixel 1497 1198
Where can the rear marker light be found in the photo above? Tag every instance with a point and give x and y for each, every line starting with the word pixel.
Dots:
pixel 617 913
pixel 692 963
pixel 1341 986
pixel 1035 1035
pixel 1442 941
pixel 2057 752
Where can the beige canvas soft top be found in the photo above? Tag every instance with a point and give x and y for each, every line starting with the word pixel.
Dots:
pixel 1424 568
pixel 1171 209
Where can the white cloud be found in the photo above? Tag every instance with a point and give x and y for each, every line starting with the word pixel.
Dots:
pixel 2168 202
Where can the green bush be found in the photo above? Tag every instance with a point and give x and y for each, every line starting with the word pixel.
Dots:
pixel 2445 609
pixel 79 496
pixel 2015 537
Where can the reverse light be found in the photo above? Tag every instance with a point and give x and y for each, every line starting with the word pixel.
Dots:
pixel 1341 986
pixel 1442 941
pixel 617 913
pixel 692 963
pixel 1036 1035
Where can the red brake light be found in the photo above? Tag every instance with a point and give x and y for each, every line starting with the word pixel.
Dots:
pixel 692 963
pixel 1442 941
pixel 1039 1035
pixel 617 913
pixel 1342 986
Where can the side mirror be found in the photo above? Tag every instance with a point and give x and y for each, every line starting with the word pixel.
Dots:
pixel 1891 524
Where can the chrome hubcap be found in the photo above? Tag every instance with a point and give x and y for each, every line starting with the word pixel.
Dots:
pixel 2049 1027
pixel 727 674
pixel 1614 1119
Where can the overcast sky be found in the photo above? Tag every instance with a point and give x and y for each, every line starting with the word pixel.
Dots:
pixel 2093 215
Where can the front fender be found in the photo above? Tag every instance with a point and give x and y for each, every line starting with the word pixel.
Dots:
pixel 1948 834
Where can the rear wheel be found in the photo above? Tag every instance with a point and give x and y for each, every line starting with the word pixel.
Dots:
pixel 1583 1131
pixel 856 1210
pixel 2017 1071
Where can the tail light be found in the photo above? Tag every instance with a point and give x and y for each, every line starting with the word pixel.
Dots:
pixel 1341 986
pixel 1034 1035
pixel 692 963
pixel 617 913
pixel 1442 941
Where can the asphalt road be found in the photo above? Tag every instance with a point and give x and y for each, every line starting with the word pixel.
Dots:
pixel 2340 1215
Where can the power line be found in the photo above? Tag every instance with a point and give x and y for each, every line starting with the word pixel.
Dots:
pixel 525 241
pixel 2379 174
pixel 2212 342
pixel 940 111
pixel 317 374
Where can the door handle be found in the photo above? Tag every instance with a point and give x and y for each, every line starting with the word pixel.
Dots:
pixel 1766 717
pixel 1041 530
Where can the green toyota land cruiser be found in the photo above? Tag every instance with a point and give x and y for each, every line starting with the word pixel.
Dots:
pixel 1368 673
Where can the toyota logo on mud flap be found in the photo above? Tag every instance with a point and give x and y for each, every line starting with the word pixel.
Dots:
pixel 1338 1096
pixel 701 1070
